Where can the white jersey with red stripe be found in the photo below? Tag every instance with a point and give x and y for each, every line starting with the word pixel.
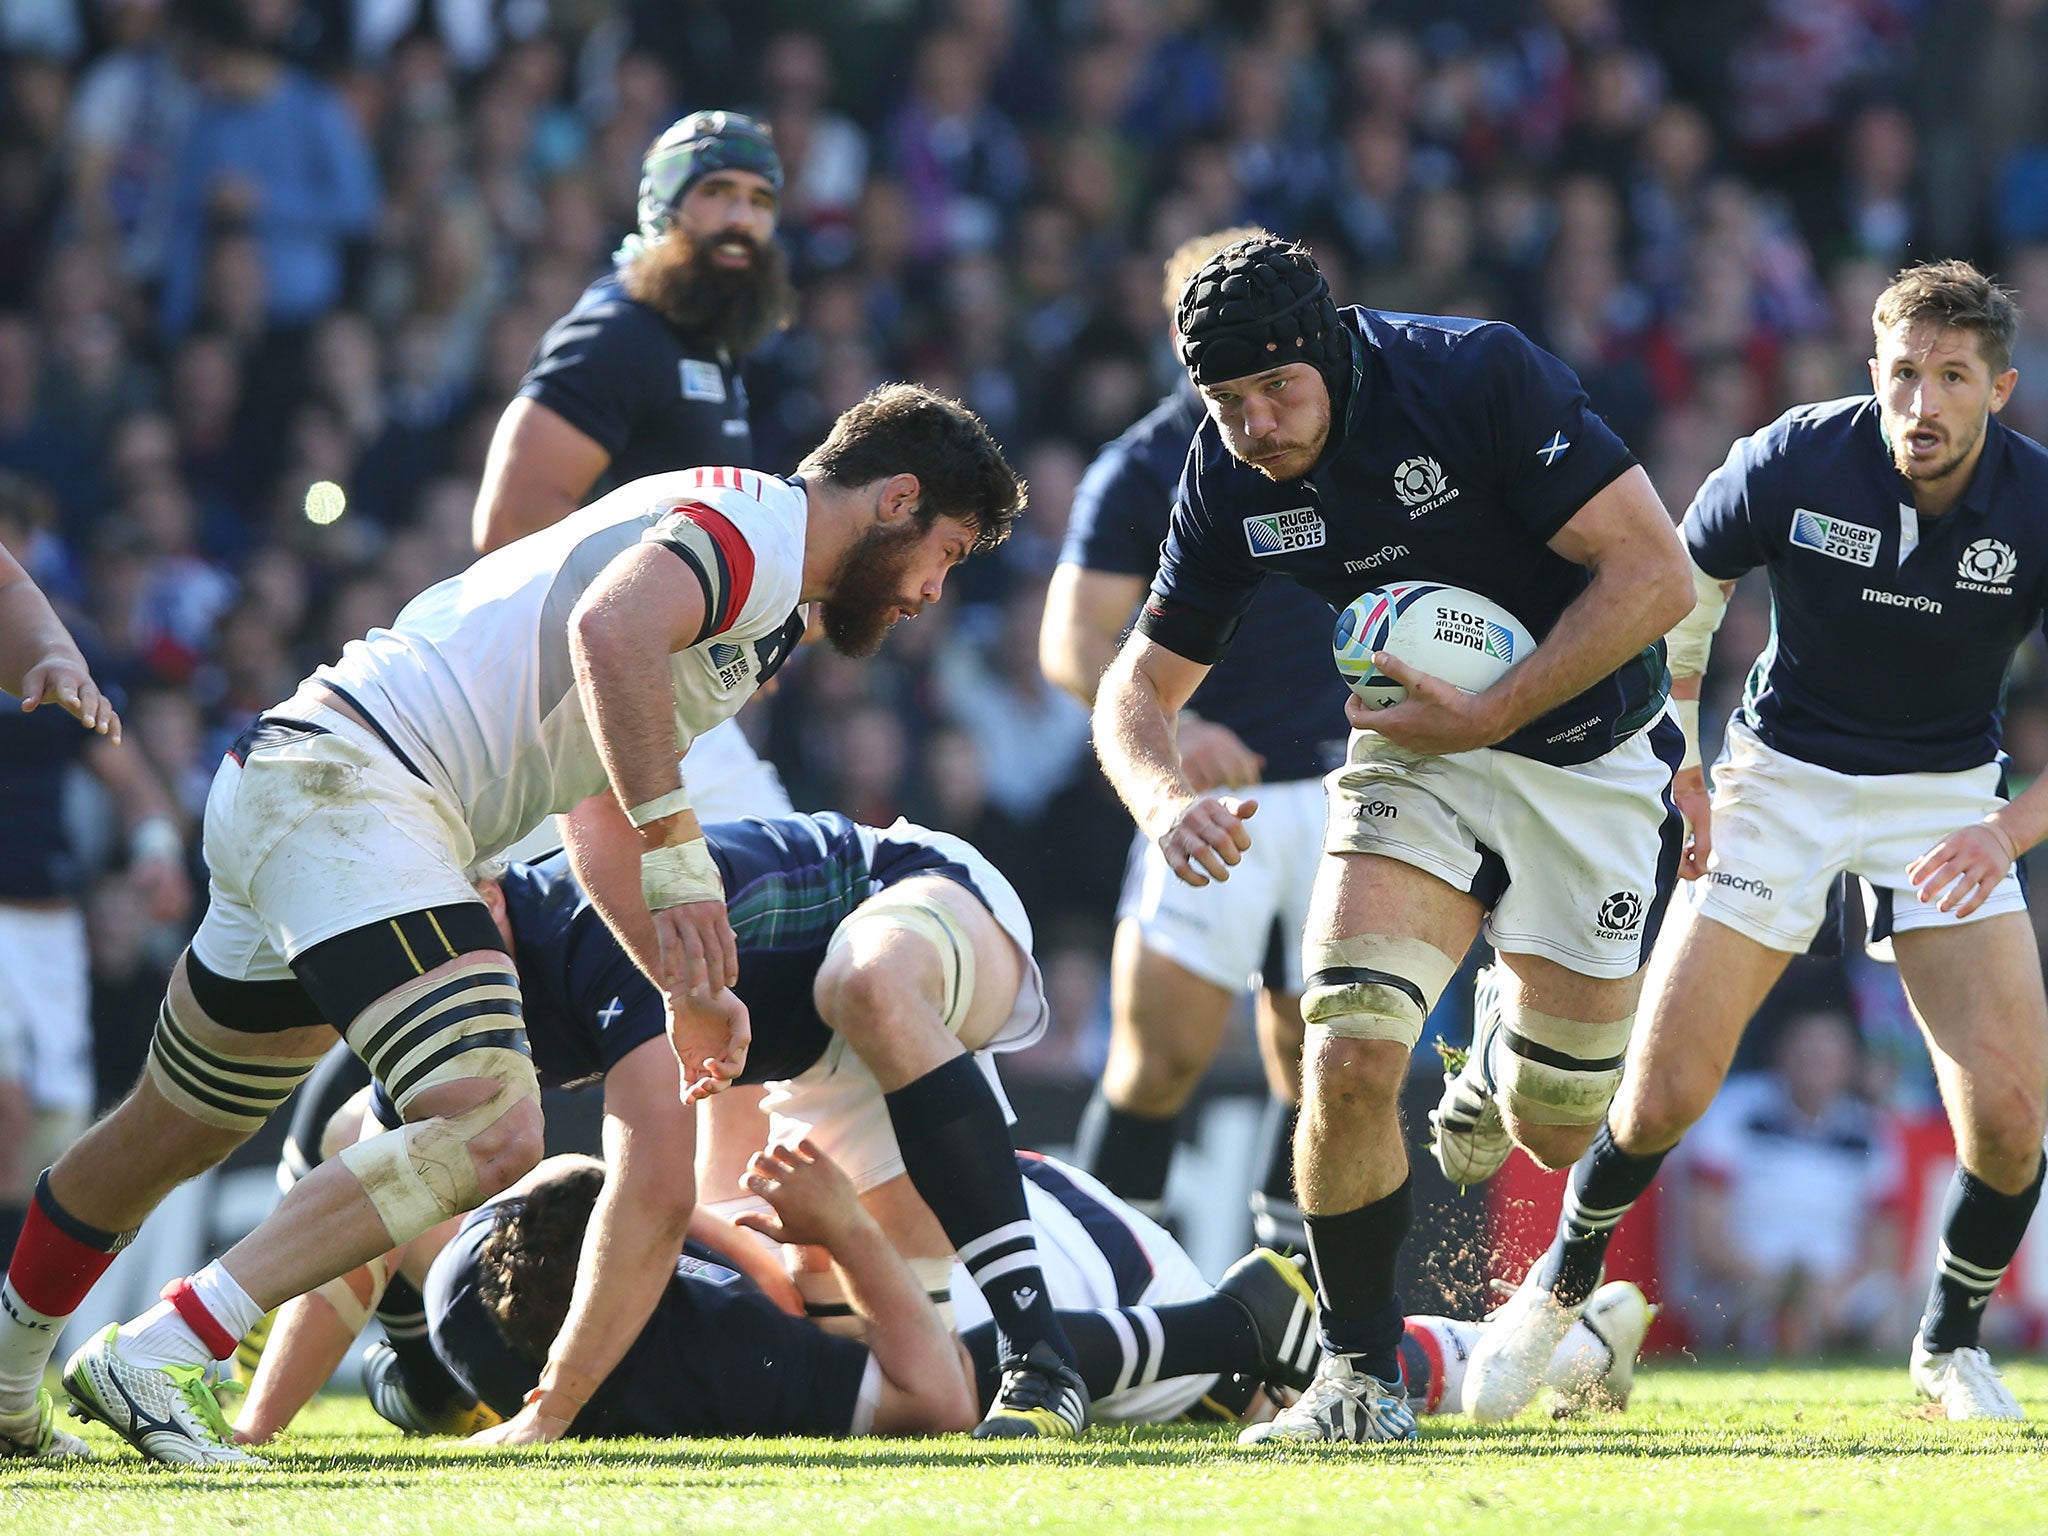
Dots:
pixel 473 682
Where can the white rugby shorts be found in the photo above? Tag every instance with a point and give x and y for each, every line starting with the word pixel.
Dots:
pixel 45 1023
pixel 1570 861
pixel 1221 932
pixel 836 1100
pixel 318 835
pixel 1785 829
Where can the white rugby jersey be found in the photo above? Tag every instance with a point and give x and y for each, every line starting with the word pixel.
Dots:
pixel 473 681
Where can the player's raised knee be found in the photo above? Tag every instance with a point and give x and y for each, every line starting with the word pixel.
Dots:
pixel 1556 1078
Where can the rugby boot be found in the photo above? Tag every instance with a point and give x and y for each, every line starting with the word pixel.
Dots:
pixel 385 1385
pixel 1470 1141
pixel 168 1413
pixel 34 1436
pixel 1600 1372
pixel 1511 1361
pixel 1041 1398
pixel 1964 1382
pixel 1341 1403
pixel 1282 1304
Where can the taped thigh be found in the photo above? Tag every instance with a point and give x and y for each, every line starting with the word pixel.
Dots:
pixel 826 1303
pixel 461 1024
pixel 1372 986
pixel 910 910
pixel 228 1089
pixel 1556 1071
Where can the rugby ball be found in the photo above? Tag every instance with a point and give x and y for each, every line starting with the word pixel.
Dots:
pixel 1459 636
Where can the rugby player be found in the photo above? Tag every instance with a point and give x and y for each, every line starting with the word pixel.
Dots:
pixel 1347 450
pixel 864 955
pixel 1154 1342
pixel 338 835
pixel 1906 537
pixel 1183 954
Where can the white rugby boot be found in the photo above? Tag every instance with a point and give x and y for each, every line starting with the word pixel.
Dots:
pixel 1341 1403
pixel 1511 1362
pixel 168 1413
pixel 1595 1367
pixel 35 1436
pixel 1963 1381
pixel 1470 1140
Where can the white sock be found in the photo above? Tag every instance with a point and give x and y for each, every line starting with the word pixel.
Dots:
pixel 162 1337
pixel 1582 1358
pixel 26 1339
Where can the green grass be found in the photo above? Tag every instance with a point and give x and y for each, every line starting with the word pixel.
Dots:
pixel 1841 1451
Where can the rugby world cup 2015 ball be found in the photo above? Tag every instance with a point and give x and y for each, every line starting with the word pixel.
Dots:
pixel 1459 636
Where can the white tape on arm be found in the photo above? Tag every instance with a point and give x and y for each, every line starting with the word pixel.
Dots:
pixel 1692 637
pixel 678 874
pixel 1688 712
pixel 677 799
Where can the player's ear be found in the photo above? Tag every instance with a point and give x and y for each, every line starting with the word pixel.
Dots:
pixel 2001 389
pixel 898 498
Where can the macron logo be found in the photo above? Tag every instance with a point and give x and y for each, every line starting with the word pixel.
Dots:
pixel 1024 1296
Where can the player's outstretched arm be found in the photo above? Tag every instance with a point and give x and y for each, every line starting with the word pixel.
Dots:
pixel 537 472
pixel 39 661
pixel 1142 693
pixel 926 1388
pixel 642 609
pixel 630 1247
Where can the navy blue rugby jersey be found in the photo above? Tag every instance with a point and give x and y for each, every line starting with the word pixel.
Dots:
pixel 1891 633
pixel 716 1358
pixel 1293 717
pixel 652 397
pixel 1462 450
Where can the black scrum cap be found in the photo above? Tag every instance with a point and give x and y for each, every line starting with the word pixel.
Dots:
pixel 1256 305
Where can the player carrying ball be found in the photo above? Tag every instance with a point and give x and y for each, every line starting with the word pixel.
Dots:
pixel 1906 538
pixel 1346 450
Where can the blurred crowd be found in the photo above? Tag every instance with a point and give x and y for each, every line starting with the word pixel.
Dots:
pixel 247 246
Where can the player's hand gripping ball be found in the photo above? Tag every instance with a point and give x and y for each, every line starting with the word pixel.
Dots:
pixel 1467 640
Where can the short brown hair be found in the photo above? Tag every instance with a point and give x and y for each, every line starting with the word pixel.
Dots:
pixel 1953 293
pixel 904 429
pixel 1190 256
pixel 527 1266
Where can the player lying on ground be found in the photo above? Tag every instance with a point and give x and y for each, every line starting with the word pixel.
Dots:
pixel 568 668
pixel 1906 538
pixel 721 1356
pixel 871 962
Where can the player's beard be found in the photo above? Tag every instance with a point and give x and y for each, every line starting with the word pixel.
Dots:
pixel 1301 455
pixel 734 309
pixel 858 614
pixel 1959 451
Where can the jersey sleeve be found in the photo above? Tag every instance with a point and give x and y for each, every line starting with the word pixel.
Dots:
pixel 1203 586
pixel 609 995
pixel 1727 526
pixel 1551 451
pixel 1119 517
pixel 596 372
pixel 719 554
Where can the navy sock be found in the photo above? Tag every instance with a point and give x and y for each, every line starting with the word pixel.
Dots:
pixel 1355 1256
pixel 1604 1184
pixel 1276 1215
pixel 1132 1154
pixel 1118 1348
pixel 403 1313
pixel 958 1153
pixel 1980 1232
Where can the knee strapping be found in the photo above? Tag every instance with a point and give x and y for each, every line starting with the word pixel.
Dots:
pixel 917 912
pixel 350 1304
pixel 826 1305
pixel 233 1092
pixel 1373 987
pixel 458 1025
pixel 1556 1071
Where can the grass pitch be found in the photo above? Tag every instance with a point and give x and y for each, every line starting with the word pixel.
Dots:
pixel 1841 1450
